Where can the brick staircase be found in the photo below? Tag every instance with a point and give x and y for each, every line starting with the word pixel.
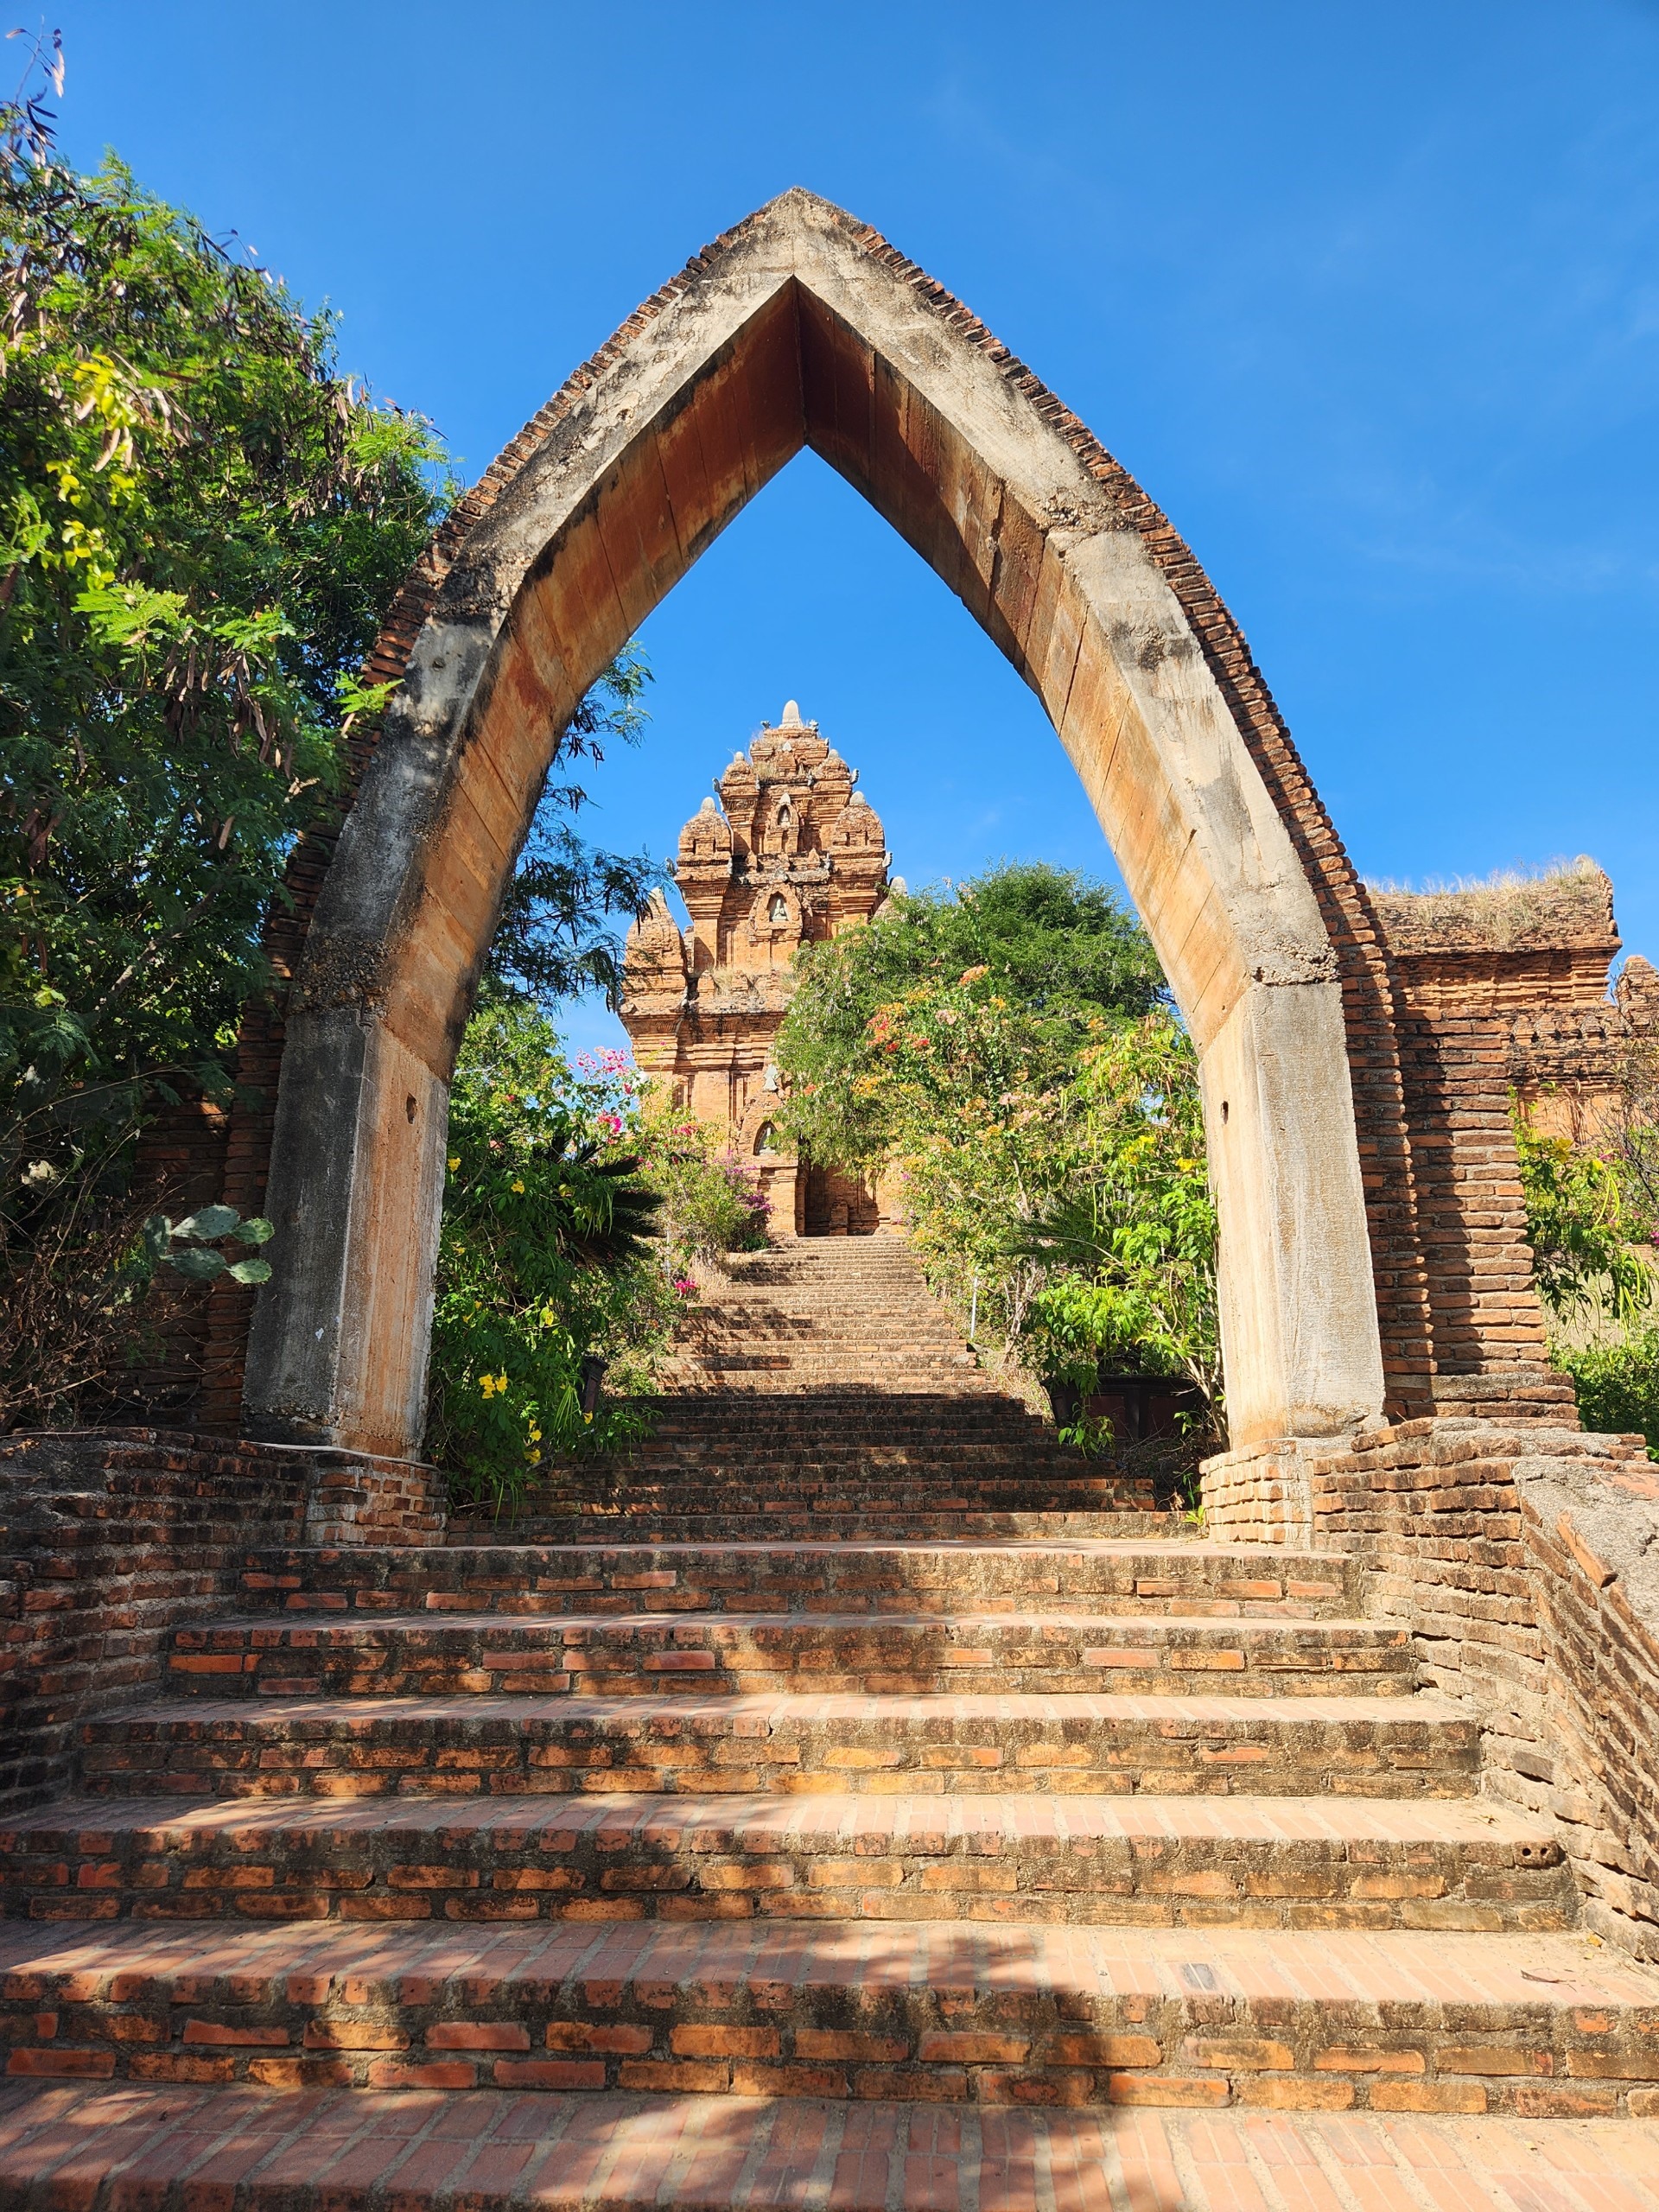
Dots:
pixel 800 1839
pixel 847 1313
pixel 822 1389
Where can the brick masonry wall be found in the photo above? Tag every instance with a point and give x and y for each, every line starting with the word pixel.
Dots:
pixel 1484 1314
pixel 108 1538
pixel 1525 1558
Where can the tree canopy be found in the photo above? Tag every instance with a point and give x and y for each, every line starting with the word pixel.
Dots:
pixel 1007 1054
pixel 1045 939
pixel 203 521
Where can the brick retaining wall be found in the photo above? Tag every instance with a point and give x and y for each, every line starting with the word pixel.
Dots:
pixel 108 1537
pixel 1525 1557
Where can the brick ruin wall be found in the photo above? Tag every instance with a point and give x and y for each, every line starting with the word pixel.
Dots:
pixel 1523 1552
pixel 108 1537
pixel 1502 991
pixel 1526 1561
pixel 1523 1555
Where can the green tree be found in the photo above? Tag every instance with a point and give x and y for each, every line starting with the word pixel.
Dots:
pixel 202 524
pixel 1590 1224
pixel 546 1256
pixel 1038 1107
pixel 1578 1225
pixel 1045 940
pixel 1131 1238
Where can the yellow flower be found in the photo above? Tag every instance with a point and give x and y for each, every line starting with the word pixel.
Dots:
pixel 455 1161
pixel 517 1183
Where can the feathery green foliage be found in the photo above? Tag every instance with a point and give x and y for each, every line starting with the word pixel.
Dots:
pixel 544 1256
pixel 202 525
pixel 1045 940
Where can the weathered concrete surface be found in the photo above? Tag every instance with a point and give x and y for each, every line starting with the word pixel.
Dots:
pixel 802 331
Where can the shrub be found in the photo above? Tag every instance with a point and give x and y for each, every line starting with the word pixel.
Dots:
pixel 1617 1386
pixel 711 1203
pixel 545 1257
pixel 1579 1227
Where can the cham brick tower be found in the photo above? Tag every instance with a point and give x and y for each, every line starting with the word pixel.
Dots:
pixel 792 854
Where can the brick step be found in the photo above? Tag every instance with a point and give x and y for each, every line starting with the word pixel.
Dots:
pixel 744 1420
pixel 1420 1746
pixel 849 1440
pixel 799 1444
pixel 983 2014
pixel 922 1444
pixel 881 1459
pixel 712 1498
pixel 878 1325
pixel 1132 1579
pixel 947 1407
pixel 876 1337
pixel 596 1523
pixel 787 1482
pixel 879 1320
pixel 646 1654
pixel 791 1372
pixel 1254 1862
pixel 179 2148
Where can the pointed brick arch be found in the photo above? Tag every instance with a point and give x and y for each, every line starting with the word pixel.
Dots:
pixel 804 327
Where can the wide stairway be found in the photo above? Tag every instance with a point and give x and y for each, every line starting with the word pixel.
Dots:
pixel 849 1862
pixel 821 1387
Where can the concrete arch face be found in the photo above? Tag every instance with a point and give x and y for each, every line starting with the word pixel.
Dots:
pixel 800 329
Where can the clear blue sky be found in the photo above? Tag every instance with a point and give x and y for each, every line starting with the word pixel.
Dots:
pixel 1367 297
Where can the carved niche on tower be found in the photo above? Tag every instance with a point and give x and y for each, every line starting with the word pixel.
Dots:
pixel 793 853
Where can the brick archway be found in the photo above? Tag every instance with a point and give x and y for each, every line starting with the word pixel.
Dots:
pixel 804 327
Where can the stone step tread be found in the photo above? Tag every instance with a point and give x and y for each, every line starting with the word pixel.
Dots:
pixel 1148 1553
pixel 352 2150
pixel 1271 1559
pixel 908 1739
pixel 700 1628
pixel 865 1652
pixel 1153 1862
pixel 875 1465
pixel 1436 1976
pixel 832 1822
pixel 753 1712
pixel 1042 1502
pixel 1120 1576
pixel 764 1491
pixel 852 1528
pixel 898 1503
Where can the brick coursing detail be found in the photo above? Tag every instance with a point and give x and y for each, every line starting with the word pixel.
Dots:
pixel 108 1538
pixel 1525 1558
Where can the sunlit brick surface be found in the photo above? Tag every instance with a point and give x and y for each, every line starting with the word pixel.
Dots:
pixel 190 2151
pixel 1194 1862
pixel 1019 2014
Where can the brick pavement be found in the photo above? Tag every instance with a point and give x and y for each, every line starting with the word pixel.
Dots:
pixel 79 2149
